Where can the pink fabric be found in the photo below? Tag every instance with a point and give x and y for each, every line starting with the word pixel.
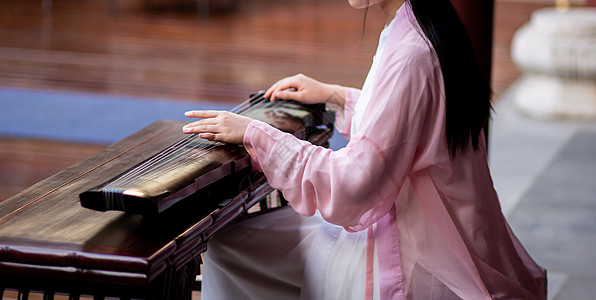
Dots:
pixel 390 280
pixel 442 234
pixel 370 261
pixel 352 95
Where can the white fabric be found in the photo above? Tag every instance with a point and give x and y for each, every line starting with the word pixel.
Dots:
pixel 284 255
pixel 367 88
pixel 259 258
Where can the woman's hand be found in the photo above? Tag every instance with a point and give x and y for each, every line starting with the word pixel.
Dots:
pixel 220 126
pixel 306 90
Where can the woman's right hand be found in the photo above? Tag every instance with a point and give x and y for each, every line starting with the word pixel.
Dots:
pixel 304 89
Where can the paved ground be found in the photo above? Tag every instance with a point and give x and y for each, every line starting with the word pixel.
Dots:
pixel 545 173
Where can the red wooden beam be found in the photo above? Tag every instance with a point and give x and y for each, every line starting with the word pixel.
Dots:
pixel 478 17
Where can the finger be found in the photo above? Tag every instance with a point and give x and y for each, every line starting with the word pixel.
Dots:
pixel 202 113
pixel 208 121
pixel 273 93
pixel 289 94
pixel 217 137
pixel 200 128
pixel 270 90
pixel 276 86
pixel 284 84
pixel 199 123
pixel 208 136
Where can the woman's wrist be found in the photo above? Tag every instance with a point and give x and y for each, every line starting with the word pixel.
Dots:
pixel 336 98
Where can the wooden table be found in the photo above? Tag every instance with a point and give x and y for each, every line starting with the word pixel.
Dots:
pixel 49 243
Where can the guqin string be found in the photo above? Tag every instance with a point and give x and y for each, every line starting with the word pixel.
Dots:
pixel 187 151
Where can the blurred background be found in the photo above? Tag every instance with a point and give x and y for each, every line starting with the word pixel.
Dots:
pixel 89 72
pixel 77 75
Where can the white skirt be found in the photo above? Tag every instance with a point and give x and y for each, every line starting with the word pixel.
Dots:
pixel 283 255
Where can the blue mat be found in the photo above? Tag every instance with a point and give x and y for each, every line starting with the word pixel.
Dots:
pixel 82 117
pixel 91 118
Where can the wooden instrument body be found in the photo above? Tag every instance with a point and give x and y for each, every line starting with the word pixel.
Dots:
pixel 49 242
pixel 190 163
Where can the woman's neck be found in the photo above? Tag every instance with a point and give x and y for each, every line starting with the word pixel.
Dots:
pixel 389 8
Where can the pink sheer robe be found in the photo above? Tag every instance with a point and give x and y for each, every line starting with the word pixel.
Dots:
pixel 439 227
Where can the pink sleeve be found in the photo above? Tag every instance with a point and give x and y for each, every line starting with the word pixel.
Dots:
pixel 357 185
pixel 343 117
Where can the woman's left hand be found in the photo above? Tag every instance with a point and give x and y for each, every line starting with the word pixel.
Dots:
pixel 220 126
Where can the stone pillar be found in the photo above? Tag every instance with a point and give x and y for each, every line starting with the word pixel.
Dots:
pixel 556 52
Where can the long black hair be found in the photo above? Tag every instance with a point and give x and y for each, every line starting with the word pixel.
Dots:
pixel 467 93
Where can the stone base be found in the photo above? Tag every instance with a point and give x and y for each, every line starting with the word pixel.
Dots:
pixel 556 53
pixel 550 98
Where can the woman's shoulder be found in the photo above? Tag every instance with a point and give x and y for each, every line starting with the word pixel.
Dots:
pixel 411 50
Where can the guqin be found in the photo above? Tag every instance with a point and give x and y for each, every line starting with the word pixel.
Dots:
pixel 181 191
pixel 193 163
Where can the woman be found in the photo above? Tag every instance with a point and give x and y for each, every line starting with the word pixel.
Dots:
pixel 406 210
